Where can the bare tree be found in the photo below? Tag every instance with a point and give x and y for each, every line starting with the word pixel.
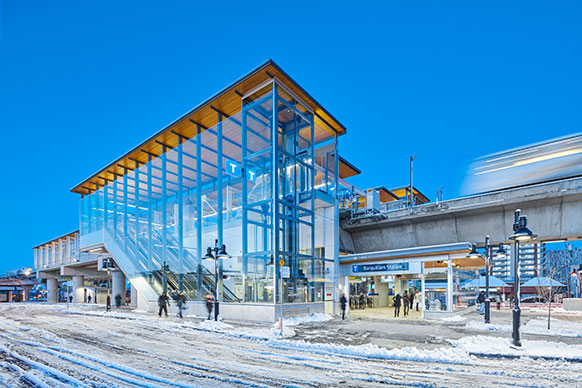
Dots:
pixel 551 269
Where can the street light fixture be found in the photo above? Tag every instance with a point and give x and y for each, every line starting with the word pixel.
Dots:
pixel 219 253
pixel 501 252
pixel 473 254
pixel 521 233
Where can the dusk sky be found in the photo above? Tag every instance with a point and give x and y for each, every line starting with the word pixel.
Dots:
pixel 81 83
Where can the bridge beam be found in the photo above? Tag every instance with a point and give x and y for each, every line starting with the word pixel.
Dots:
pixel 553 210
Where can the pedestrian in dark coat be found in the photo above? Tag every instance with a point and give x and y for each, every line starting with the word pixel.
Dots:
pixel 397 304
pixel 209 304
pixel 481 301
pixel 163 302
pixel 411 296
pixel 343 303
pixel 406 302
pixel 118 300
pixel 181 302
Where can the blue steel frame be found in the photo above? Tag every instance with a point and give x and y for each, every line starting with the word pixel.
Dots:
pixel 283 217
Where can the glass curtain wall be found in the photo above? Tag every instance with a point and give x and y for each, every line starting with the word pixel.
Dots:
pixel 247 182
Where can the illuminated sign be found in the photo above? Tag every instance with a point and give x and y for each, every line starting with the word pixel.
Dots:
pixel 233 168
pixel 380 267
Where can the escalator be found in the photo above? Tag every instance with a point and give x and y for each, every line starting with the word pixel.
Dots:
pixel 181 275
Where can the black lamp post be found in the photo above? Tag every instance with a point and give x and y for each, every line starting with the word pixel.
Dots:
pixel 219 253
pixel 521 233
pixel 108 265
pixel 488 251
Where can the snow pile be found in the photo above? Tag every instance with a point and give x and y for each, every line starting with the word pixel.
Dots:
pixel 445 355
pixel 454 318
pixel 480 325
pixel 557 327
pixel 562 311
pixel 502 346
pixel 534 326
pixel 211 325
pixel 295 321
pixel 262 334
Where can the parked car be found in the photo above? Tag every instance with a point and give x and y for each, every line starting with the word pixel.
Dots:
pixel 534 299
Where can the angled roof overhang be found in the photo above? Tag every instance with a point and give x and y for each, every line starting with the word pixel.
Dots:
pixel 346 169
pixel 205 115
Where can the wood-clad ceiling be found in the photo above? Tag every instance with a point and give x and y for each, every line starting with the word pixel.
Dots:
pixel 228 102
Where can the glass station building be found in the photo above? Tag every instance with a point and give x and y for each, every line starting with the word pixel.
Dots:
pixel 255 167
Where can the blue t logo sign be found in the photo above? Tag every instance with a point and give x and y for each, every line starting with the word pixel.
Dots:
pixel 251 175
pixel 232 168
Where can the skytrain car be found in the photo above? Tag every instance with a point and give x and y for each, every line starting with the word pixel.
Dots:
pixel 537 163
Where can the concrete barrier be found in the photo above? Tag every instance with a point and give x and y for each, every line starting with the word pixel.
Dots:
pixel 572 304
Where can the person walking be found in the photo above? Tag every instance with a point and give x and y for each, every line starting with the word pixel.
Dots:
pixel 181 302
pixel 343 303
pixel 481 300
pixel 118 300
pixel 406 301
pixel 108 303
pixel 397 304
pixel 411 296
pixel 209 304
pixel 89 299
pixel 70 298
pixel 163 302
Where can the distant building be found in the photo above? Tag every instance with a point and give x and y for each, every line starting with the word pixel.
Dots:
pixel 528 263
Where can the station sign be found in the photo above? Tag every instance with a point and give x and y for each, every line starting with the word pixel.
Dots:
pixel 387 267
pixel 234 169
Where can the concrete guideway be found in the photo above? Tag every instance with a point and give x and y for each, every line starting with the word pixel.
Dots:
pixel 553 210
pixel 88 348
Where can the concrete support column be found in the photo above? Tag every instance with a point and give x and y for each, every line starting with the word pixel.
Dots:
pixel 133 297
pixel 78 289
pixel 398 285
pixel 118 286
pixel 26 293
pixel 52 287
pixel 382 291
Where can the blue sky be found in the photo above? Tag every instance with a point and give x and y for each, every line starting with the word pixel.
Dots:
pixel 81 83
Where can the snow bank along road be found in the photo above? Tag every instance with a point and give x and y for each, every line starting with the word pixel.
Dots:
pixel 44 346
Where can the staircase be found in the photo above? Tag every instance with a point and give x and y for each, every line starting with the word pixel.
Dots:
pixel 181 275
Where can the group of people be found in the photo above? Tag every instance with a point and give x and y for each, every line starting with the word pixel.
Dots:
pixel 164 303
pixel 406 301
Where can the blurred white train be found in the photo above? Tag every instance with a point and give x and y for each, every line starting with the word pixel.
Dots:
pixel 537 163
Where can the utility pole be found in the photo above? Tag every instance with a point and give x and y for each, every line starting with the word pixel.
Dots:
pixel 411 190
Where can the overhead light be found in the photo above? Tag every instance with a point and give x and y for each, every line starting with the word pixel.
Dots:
pixel 501 251
pixel 473 254
pixel 522 233
pixel 222 253
pixel 208 255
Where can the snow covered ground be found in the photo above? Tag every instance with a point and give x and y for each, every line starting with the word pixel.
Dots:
pixel 46 346
pixel 534 326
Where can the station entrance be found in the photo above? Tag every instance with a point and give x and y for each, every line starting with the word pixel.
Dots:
pixel 374 296
pixel 424 282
